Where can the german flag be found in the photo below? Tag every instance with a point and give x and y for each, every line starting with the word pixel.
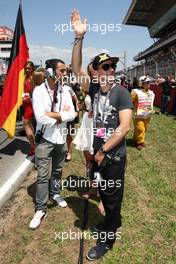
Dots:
pixel 13 88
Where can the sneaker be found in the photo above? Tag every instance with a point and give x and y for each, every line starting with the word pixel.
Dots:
pixel 59 200
pixel 140 147
pixel 36 220
pixel 101 227
pixel 98 251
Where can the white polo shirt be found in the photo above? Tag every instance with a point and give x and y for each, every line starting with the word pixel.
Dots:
pixel 42 101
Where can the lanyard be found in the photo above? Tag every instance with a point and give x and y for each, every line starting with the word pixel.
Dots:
pixel 103 107
pixel 54 99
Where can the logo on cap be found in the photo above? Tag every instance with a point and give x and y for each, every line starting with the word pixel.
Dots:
pixel 103 57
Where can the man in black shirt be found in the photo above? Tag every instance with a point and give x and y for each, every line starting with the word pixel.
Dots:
pixel 112 114
pixel 166 92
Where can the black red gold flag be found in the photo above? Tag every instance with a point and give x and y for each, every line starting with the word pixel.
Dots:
pixel 13 88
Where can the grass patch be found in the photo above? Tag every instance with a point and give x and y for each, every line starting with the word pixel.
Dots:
pixel 149 226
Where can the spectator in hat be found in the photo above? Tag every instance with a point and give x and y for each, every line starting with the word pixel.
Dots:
pixel 112 113
pixel 143 107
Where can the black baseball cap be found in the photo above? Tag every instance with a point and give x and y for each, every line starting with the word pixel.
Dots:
pixel 101 58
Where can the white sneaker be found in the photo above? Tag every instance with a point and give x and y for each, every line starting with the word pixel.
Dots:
pixel 59 200
pixel 36 220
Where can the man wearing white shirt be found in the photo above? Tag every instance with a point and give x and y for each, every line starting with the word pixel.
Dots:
pixel 53 108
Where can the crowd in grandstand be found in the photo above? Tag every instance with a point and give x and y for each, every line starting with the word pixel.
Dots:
pixel 162 62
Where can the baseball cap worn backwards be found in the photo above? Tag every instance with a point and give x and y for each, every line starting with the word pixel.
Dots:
pixel 101 58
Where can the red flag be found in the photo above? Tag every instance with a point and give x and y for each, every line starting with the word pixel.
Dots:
pixel 13 87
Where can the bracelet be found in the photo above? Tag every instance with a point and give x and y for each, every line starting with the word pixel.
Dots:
pixel 80 38
pixel 76 40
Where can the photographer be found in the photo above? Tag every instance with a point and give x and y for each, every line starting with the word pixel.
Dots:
pixel 53 108
pixel 112 113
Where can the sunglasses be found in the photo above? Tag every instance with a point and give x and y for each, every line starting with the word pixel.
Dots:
pixel 107 66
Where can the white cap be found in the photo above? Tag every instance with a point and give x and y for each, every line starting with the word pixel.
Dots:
pixel 144 78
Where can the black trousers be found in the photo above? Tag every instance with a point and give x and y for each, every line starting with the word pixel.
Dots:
pixel 111 193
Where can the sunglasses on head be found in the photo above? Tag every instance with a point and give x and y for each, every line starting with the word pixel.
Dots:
pixel 107 66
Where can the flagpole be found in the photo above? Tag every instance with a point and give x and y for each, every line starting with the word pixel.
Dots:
pixel 21 8
pixel 21 4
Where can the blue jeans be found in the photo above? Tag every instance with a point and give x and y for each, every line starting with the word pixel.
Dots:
pixel 47 152
pixel 165 102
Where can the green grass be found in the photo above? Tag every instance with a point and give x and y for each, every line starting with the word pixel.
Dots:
pixel 149 220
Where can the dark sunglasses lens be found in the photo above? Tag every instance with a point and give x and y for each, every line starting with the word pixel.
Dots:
pixel 106 67
pixel 113 66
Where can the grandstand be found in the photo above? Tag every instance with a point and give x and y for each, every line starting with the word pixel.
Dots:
pixel 160 19
pixel 6 36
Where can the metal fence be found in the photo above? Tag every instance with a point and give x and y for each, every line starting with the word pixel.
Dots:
pixel 163 63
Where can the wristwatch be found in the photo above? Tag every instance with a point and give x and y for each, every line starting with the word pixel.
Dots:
pixel 102 150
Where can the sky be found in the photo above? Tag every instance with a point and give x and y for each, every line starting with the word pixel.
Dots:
pixel 49 34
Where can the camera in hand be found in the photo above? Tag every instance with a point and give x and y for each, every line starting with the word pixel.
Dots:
pixel 38 136
pixel 80 97
pixel 79 94
pixel 105 162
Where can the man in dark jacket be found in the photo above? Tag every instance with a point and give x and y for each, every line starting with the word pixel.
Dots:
pixel 166 92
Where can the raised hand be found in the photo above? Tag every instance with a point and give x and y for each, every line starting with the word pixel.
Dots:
pixel 80 27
